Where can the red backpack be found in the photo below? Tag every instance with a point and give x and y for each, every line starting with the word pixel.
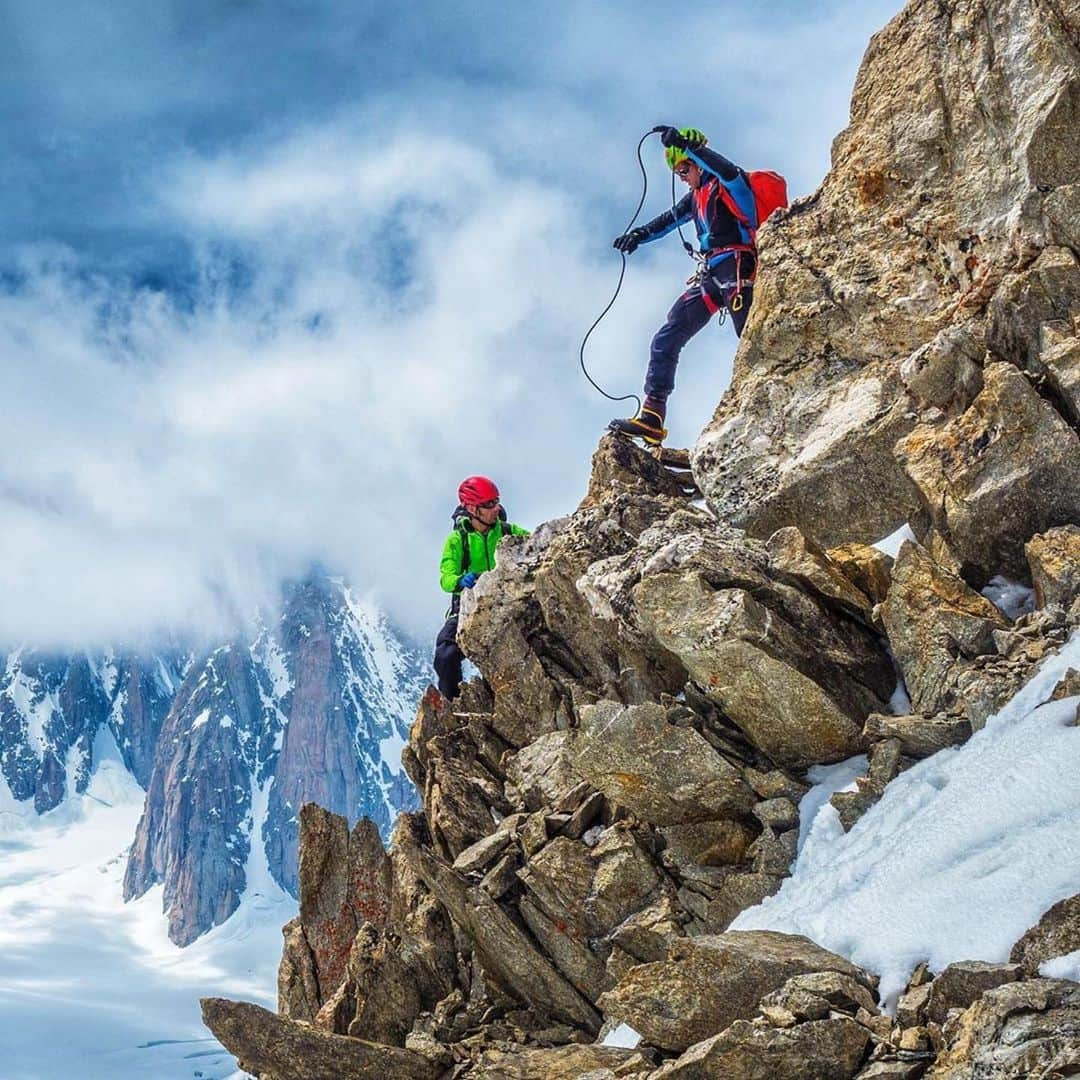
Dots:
pixel 770 193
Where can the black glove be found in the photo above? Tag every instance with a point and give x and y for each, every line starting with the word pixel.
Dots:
pixel 690 141
pixel 670 136
pixel 628 242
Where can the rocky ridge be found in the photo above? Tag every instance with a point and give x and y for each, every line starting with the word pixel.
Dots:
pixel 658 675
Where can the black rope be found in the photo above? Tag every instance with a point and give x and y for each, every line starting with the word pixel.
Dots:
pixel 618 286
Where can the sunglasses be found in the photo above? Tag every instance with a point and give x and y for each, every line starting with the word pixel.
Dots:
pixel 489 505
pixel 683 170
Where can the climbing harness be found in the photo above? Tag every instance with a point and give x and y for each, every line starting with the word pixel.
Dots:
pixel 622 273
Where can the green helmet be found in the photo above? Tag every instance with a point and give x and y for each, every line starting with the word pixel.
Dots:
pixel 673 155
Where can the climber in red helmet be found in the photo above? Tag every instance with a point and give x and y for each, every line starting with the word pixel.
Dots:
pixel 479 524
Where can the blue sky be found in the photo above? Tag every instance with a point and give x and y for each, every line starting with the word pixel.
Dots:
pixel 273 276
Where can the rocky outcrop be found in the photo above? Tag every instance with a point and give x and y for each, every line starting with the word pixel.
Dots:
pixel 269 1046
pixel 345 883
pixel 1057 933
pixel 709 982
pixel 1019 1030
pixel 943 236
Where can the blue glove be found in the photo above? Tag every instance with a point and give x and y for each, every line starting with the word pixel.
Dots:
pixel 467 581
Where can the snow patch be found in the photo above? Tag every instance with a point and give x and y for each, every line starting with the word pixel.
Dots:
pixel 892 543
pixel 1063 967
pixel 1009 597
pixel 963 854
pixel 623 1036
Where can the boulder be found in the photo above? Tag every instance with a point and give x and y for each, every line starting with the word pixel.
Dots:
pixel 345 882
pixel 708 982
pixel 933 619
pixel 1057 933
pixel 1054 559
pixel 962 983
pixel 543 771
pixel 1019 1031
pixel 868 569
pixel 1007 468
pixel 560 1063
pixel 748 660
pixel 502 947
pixel 826 1049
pixel 266 1044
pixel 919 736
pixel 663 774
pixel 792 554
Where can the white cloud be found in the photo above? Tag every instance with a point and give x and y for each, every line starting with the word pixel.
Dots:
pixel 416 272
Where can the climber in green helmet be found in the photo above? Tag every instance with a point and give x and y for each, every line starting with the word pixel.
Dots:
pixel 721 203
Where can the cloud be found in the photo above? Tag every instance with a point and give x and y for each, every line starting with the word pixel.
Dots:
pixel 353 306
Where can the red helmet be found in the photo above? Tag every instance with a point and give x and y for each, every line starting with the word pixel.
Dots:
pixel 475 490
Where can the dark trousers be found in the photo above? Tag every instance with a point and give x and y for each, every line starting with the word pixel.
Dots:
pixel 687 316
pixel 448 658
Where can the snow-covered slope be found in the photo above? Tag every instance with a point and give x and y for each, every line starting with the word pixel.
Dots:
pixel 72 949
pixel 964 852
pixel 229 743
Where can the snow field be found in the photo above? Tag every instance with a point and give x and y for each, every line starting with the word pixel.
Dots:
pixel 961 856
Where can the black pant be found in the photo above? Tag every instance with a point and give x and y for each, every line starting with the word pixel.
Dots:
pixel 448 658
pixel 687 316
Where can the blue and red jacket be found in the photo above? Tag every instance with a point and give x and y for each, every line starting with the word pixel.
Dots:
pixel 720 233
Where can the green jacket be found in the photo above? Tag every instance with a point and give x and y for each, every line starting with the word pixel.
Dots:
pixel 481 551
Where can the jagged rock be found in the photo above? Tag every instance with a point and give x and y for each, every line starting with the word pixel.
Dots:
pixel 1068 686
pixel 560 1063
pixel 543 771
pixel 1020 1031
pixel 919 736
pixel 828 1049
pixel 345 881
pixel 933 618
pixel 886 761
pixel 454 759
pixel 962 983
pixel 959 135
pixel 747 659
pixel 298 993
pixel 892 1070
pixel 946 373
pixel 592 889
pixel 1054 559
pixel 911 1007
pixel 422 924
pixel 503 948
pixel 531 631
pixel 1057 933
pixel 1033 324
pixel 791 553
pixel 647 934
pixel 709 981
pixel 708 843
pixel 484 852
pixel 1007 468
pixel 837 990
pixel 629 753
pixel 777 814
pixel 267 1044
pixel 868 569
